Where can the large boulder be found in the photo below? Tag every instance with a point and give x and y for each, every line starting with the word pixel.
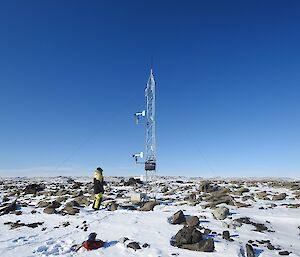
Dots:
pixel 220 213
pixel 190 238
pixel 187 235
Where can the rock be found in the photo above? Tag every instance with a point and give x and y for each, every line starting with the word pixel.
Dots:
pixel 43 204
pixel 270 247
pixel 279 197
pixel 33 189
pixel 192 221
pixel 178 217
pixel 55 204
pixel 133 182
pixel 250 251
pixel 295 187
pixel 221 192
pixel 71 210
pixel 76 185
pixel 243 190
pixel 122 240
pixel 72 204
pixel 284 253
pixel 49 210
pixel 241 205
pixel 202 246
pixel 187 235
pixel 9 208
pixel 5 199
pixel 227 199
pixel 207 187
pixel 113 206
pixel 226 235
pixel 82 200
pixel 220 213
pixel 134 245
pixel 164 189
pixel 18 213
pixel 247 197
pixel 262 194
pixel 18 224
pixel 61 199
pixel 148 206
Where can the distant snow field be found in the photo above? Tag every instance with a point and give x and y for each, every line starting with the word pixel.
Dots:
pixel 53 216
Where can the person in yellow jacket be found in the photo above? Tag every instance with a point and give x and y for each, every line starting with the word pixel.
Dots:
pixel 98 188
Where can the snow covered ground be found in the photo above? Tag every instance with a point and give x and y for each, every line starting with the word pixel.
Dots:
pixel 58 233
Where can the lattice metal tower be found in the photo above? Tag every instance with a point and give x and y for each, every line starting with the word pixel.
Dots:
pixel 150 156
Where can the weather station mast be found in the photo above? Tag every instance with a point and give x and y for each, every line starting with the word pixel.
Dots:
pixel 150 155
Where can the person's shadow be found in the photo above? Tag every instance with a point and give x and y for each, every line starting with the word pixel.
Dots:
pixel 110 243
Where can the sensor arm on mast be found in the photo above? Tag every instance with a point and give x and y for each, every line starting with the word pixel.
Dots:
pixel 138 114
pixel 138 155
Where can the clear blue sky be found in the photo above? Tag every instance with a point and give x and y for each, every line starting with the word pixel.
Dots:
pixel 72 73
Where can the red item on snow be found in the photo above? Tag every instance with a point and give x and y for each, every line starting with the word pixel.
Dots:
pixel 92 245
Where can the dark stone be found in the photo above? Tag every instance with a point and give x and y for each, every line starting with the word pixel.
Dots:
pixel 148 206
pixel 259 226
pixel 178 217
pixel 192 221
pixel 134 245
pixel 18 224
pixel 55 204
pixel 49 210
pixel 284 253
pixel 226 235
pixel 33 189
pixel 133 182
pixel 76 185
pixel 187 235
pixel 9 208
pixel 207 231
pixel 202 246
pixel 250 250
pixel 113 206
pixel 207 187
